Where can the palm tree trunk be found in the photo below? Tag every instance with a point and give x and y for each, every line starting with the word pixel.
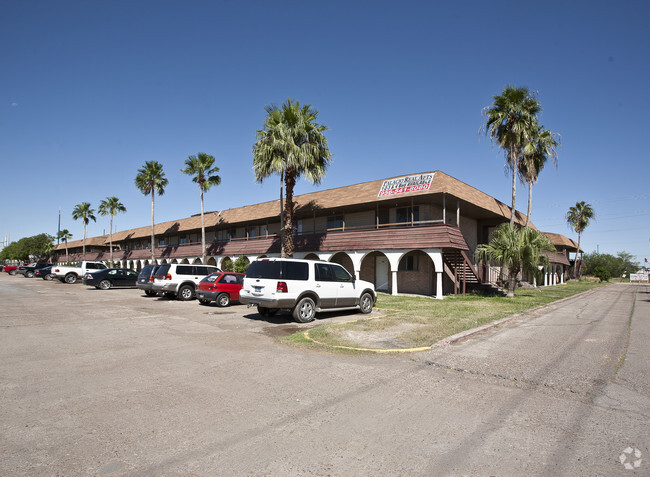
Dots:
pixel 110 240
pixel 153 253
pixel 84 242
pixel 67 256
pixel 513 165
pixel 203 250
pixel 576 268
pixel 287 237
pixel 281 217
pixel 530 201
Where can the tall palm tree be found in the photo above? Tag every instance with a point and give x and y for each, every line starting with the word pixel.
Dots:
pixel 510 121
pixel 111 206
pixel 517 249
pixel 541 147
pixel 151 180
pixel 86 213
pixel 578 218
pixel 200 167
pixel 292 144
pixel 64 235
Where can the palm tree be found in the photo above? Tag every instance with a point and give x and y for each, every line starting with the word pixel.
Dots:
pixel 64 235
pixel 200 167
pixel 517 249
pixel 151 180
pixel 510 121
pixel 111 206
pixel 85 212
pixel 578 218
pixel 541 147
pixel 292 144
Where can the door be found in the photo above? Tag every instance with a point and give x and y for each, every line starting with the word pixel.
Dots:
pixel 347 291
pixel 327 287
pixel 381 273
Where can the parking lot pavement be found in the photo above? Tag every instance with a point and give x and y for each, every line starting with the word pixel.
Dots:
pixel 113 383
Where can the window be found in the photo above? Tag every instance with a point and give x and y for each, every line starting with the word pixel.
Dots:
pixel 228 279
pixel 324 273
pixel 341 274
pixel 403 214
pixel 335 222
pixel 295 271
pixel 182 240
pixel 161 242
pixel 184 270
pixel 408 264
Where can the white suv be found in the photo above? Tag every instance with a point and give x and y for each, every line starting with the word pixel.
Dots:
pixel 304 287
pixel 180 280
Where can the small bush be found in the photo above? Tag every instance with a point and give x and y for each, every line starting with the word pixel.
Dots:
pixel 602 274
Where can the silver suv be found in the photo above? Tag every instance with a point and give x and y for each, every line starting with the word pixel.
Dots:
pixel 180 280
pixel 304 287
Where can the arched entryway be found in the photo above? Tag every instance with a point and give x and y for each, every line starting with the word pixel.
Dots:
pixel 343 259
pixel 375 268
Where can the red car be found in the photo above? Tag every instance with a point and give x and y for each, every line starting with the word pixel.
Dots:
pixel 10 269
pixel 222 287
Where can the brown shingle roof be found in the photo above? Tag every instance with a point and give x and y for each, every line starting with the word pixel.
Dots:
pixel 100 240
pixel 560 241
pixel 353 195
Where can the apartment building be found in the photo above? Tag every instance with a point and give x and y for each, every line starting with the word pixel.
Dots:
pixel 412 234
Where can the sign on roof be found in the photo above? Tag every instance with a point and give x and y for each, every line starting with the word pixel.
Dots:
pixel 405 184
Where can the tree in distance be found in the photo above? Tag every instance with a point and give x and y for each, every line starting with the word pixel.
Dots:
pixel 64 235
pixel 200 167
pixel 578 218
pixel 84 212
pixel 111 206
pixel 151 180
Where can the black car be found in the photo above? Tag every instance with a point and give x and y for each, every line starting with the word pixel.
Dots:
pixel 29 270
pixel 111 277
pixel 45 273
pixel 145 279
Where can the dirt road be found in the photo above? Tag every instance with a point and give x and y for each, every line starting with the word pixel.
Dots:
pixel 112 383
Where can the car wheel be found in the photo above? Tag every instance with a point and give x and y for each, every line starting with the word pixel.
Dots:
pixel 305 311
pixel 105 284
pixel 150 293
pixel 71 278
pixel 366 302
pixel 223 299
pixel 185 293
pixel 12 272
pixel 48 277
pixel 29 274
pixel 204 302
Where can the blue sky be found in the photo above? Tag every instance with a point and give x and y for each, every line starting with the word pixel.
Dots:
pixel 90 90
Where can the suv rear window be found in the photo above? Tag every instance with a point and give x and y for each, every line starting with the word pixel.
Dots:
pixel 278 269
pixel 162 270
pixel 147 270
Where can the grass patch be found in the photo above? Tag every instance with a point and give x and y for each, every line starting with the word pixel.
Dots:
pixel 411 322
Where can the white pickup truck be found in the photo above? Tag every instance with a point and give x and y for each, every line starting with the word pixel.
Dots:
pixel 72 274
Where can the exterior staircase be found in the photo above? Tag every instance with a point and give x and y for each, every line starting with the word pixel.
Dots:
pixel 464 274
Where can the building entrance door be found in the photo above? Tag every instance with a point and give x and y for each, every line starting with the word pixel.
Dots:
pixel 381 273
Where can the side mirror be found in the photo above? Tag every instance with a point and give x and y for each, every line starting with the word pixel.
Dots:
pixel 354 278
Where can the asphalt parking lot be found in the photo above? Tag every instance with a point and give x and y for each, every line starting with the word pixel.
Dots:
pixel 113 383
